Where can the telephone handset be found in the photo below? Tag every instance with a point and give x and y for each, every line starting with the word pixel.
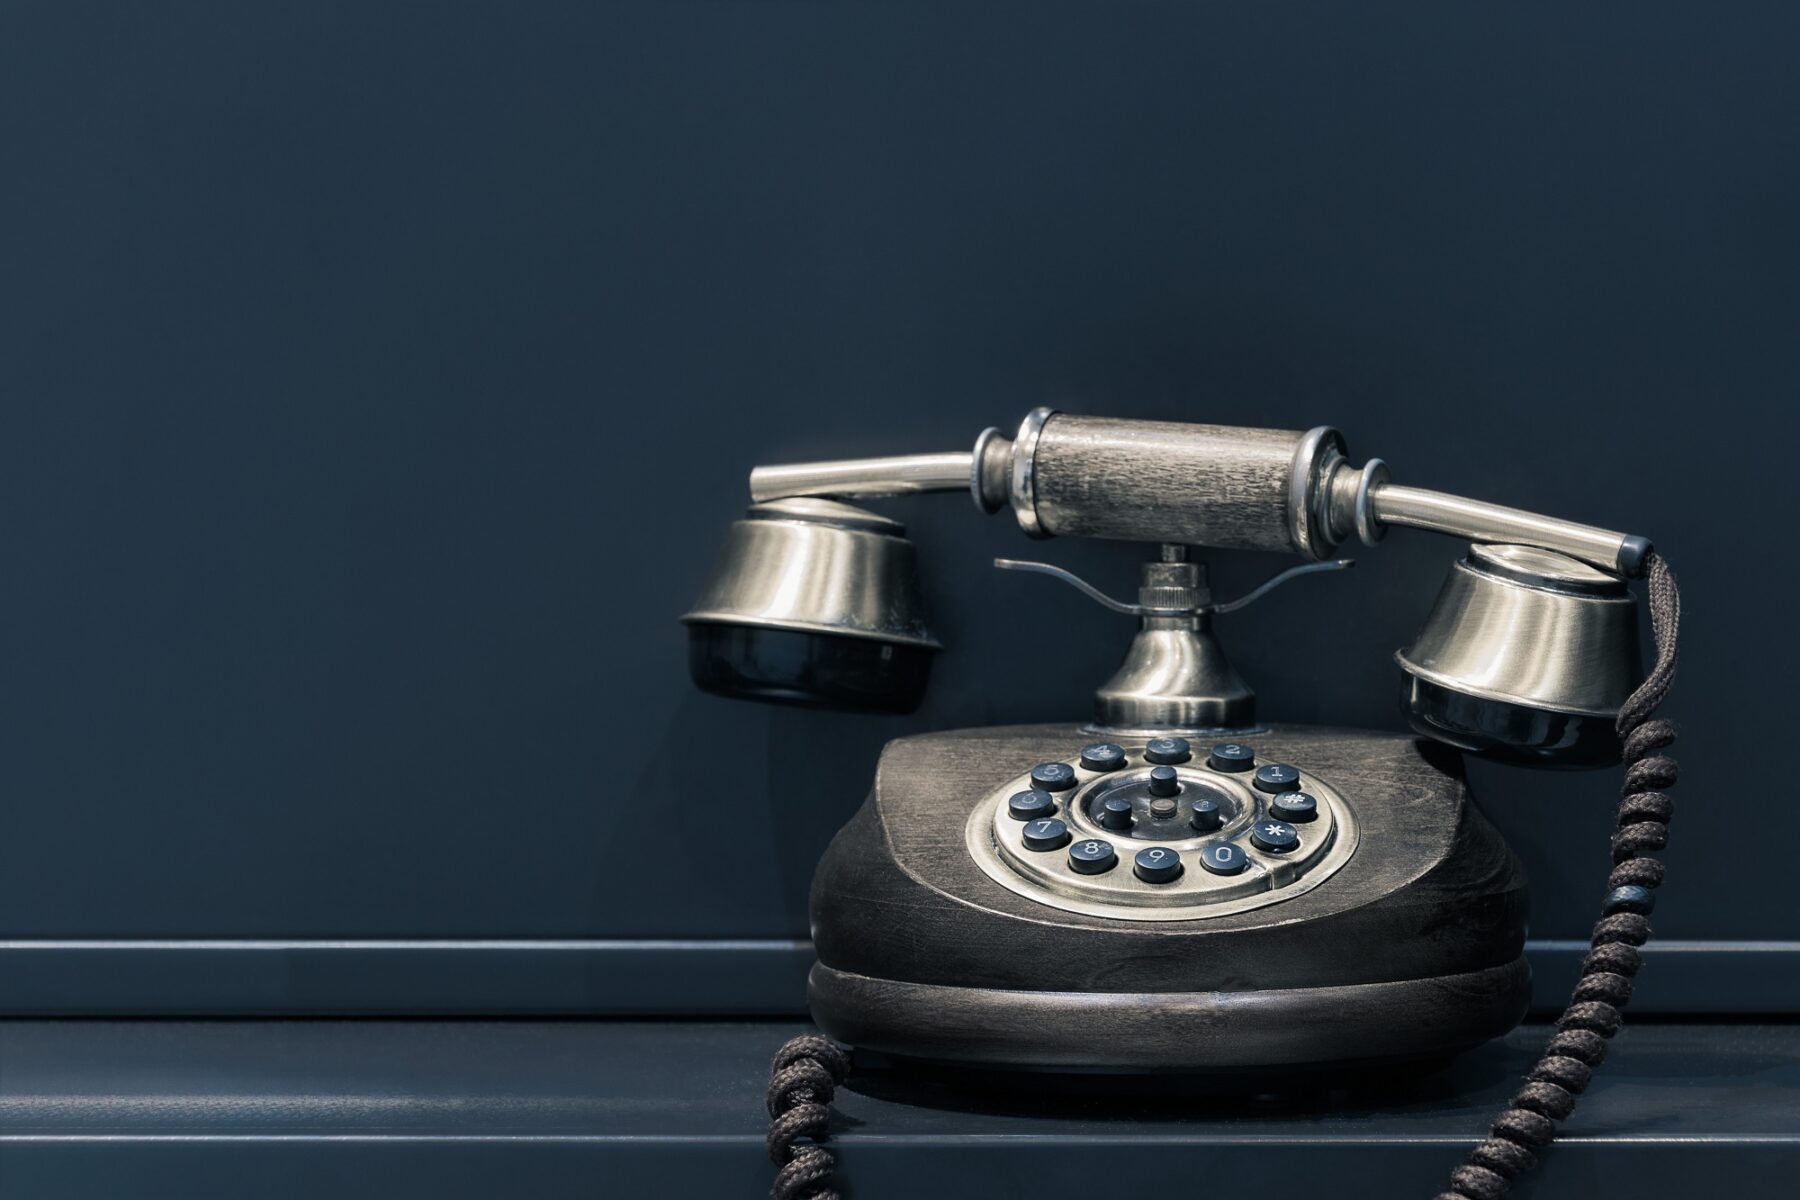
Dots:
pixel 1176 885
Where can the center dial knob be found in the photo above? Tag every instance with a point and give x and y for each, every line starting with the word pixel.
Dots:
pixel 1161 805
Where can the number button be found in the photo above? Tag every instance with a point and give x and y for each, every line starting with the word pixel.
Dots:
pixel 1157 865
pixel 1092 857
pixel 1207 816
pixel 1053 776
pixel 1029 806
pixel 1048 833
pixel 1102 756
pixel 1167 750
pixel 1231 756
pixel 1276 777
pixel 1114 813
pixel 1224 858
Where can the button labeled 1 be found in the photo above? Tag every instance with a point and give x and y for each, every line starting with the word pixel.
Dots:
pixel 1276 777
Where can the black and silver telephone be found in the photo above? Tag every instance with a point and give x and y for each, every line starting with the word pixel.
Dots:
pixel 1177 884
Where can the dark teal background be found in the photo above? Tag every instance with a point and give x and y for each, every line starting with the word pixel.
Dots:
pixel 377 380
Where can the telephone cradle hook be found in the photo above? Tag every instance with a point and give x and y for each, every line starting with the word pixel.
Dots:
pixel 1148 610
pixel 1175 675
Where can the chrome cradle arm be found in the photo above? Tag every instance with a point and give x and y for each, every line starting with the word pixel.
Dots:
pixel 1206 485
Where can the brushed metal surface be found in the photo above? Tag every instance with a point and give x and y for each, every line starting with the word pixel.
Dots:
pixel 1527 626
pixel 1023 474
pixel 818 566
pixel 1421 508
pixel 897 475
pixel 1315 462
pixel 1175 675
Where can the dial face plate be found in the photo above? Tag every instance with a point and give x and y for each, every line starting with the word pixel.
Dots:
pixel 1166 835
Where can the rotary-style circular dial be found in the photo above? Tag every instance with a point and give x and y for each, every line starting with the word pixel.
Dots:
pixel 1153 831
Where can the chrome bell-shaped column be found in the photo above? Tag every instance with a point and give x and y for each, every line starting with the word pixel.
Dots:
pixel 1175 674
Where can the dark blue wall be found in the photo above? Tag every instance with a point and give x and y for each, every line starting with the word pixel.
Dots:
pixel 376 381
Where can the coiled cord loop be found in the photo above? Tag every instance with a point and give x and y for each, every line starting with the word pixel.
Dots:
pixel 803 1077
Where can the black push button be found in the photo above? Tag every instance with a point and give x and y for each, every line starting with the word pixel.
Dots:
pixel 1295 807
pixel 1092 857
pixel 1046 833
pixel 1277 837
pixel 1207 816
pixel 1156 865
pixel 1224 858
pixel 1115 813
pixel 1231 756
pixel 1274 777
pixel 1029 806
pixel 1053 776
pixel 1167 750
pixel 1102 756
pixel 1164 782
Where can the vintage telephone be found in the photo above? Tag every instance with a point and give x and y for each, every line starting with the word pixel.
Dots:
pixel 1176 885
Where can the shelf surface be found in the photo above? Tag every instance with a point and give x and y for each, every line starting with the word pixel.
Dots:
pixel 583 1108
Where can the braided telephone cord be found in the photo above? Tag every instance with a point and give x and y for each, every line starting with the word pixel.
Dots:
pixel 1593 1016
pixel 805 1073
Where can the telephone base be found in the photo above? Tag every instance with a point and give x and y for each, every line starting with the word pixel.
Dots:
pixel 1171 1031
pixel 1394 928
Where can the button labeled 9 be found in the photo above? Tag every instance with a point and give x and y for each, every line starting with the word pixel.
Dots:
pixel 1156 865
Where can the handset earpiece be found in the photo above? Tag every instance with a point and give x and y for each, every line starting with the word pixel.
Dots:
pixel 814 603
pixel 1526 657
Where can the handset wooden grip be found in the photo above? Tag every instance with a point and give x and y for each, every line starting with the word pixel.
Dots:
pixel 1166 481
